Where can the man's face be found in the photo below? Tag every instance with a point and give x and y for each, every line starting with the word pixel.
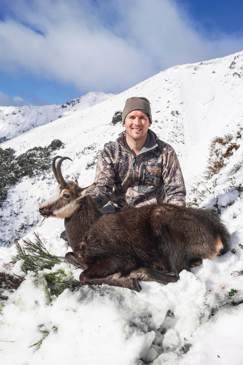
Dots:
pixel 136 125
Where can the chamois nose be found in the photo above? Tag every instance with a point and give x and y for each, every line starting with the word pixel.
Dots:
pixel 45 211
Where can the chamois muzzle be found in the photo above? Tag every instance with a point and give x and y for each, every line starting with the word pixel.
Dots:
pixel 45 211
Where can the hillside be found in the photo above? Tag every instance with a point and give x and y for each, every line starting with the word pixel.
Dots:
pixel 17 120
pixel 198 109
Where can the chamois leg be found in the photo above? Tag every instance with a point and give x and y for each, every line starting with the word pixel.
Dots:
pixel 106 266
pixel 178 262
pixel 132 280
pixel 112 280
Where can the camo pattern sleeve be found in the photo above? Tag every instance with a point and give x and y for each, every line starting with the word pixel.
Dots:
pixel 174 185
pixel 105 176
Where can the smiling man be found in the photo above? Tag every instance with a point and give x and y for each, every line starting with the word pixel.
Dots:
pixel 138 168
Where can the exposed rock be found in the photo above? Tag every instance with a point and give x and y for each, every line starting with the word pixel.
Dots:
pixel 117 118
pixel 30 163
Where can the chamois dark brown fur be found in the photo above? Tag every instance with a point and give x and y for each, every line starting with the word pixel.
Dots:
pixel 153 242
pixel 162 236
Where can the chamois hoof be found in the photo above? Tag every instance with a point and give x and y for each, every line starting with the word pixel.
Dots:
pixel 135 285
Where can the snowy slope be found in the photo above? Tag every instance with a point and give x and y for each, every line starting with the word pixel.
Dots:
pixel 178 324
pixel 16 120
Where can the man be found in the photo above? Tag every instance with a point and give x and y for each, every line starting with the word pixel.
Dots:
pixel 138 168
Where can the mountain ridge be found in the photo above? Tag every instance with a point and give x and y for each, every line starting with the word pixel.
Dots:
pixel 15 120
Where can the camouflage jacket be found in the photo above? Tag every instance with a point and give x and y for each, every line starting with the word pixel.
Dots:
pixel 123 178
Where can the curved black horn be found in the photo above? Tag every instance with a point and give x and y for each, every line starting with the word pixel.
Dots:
pixel 54 167
pixel 60 178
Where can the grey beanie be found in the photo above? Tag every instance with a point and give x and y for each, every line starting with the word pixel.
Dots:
pixel 136 103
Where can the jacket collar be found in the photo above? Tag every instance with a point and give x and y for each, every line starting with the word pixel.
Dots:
pixel 150 143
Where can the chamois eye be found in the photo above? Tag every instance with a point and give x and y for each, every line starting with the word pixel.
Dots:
pixel 66 195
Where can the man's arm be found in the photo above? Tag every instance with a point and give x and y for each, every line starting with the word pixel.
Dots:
pixel 104 178
pixel 174 185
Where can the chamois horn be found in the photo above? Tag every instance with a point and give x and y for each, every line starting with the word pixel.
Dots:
pixel 56 168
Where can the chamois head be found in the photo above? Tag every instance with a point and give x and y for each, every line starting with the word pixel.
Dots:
pixel 67 201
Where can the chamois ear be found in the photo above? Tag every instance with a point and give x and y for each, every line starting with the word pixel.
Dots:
pixel 78 190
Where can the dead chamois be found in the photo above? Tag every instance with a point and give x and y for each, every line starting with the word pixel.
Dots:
pixel 153 242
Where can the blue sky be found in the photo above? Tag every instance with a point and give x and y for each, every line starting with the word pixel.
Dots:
pixel 214 17
pixel 54 50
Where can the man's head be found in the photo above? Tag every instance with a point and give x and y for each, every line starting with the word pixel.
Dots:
pixel 136 118
pixel 136 103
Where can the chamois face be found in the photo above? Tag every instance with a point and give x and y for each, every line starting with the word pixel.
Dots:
pixel 66 203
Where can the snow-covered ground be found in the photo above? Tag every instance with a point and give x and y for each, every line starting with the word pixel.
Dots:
pixel 189 322
pixel 17 120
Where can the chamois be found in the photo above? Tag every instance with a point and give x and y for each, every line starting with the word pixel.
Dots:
pixel 152 242
pixel 78 214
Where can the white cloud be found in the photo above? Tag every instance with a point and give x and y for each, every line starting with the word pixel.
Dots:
pixel 18 100
pixel 77 42
pixel 6 100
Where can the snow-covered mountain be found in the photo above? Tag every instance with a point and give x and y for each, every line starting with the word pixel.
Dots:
pixel 198 109
pixel 17 120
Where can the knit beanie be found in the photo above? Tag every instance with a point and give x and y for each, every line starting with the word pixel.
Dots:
pixel 136 103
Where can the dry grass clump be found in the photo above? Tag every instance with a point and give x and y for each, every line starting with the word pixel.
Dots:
pixel 221 149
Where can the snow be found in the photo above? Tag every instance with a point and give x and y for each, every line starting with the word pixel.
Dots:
pixel 221 338
pixel 16 120
pixel 190 322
